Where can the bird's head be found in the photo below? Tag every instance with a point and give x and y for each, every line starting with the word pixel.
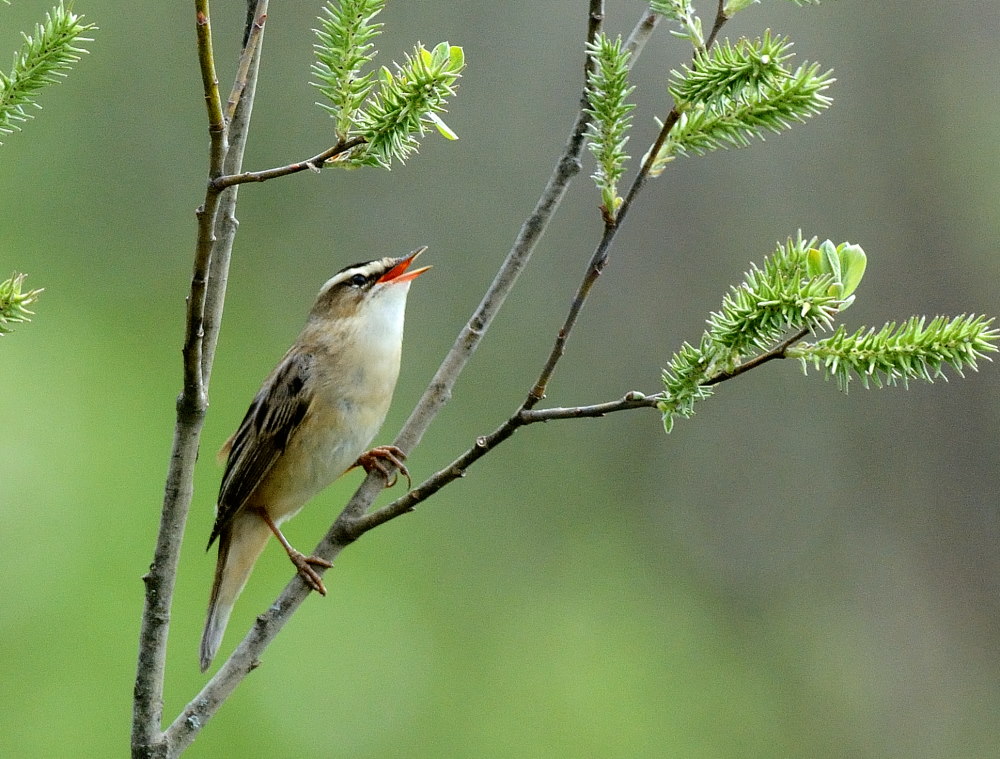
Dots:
pixel 368 288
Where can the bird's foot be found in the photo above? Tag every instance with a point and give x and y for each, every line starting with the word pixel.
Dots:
pixel 377 457
pixel 304 564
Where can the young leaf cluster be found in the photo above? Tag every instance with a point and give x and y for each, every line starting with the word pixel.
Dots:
pixel 782 296
pixel 345 47
pixel 731 72
pixel 802 286
pixel 607 90
pixel 915 349
pixel 44 58
pixel 386 120
pixel 771 301
pixel 408 101
pixel 684 382
pixel 733 93
pixel 681 11
pixel 14 303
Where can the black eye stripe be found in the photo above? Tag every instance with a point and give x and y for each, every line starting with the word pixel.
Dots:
pixel 361 276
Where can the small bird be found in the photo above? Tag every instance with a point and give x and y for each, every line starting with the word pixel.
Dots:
pixel 311 421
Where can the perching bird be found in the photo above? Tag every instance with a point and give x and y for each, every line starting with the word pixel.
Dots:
pixel 310 422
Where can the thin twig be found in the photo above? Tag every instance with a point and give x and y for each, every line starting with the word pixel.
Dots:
pixel 779 351
pixel 313 164
pixel 629 402
pixel 641 33
pixel 720 19
pixel 255 27
pixel 525 416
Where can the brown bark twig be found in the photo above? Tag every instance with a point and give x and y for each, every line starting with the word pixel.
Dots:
pixel 216 228
pixel 779 351
pixel 313 164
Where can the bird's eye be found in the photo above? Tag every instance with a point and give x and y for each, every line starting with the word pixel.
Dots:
pixel 358 280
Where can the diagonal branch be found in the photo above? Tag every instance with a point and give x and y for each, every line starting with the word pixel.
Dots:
pixel 525 416
pixel 255 28
pixel 641 33
pixel 778 351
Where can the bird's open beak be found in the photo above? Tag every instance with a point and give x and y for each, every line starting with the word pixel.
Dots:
pixel 398 272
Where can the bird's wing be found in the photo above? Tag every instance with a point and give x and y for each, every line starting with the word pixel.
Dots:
pixel 273 416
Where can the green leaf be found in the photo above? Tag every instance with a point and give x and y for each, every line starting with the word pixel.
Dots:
pixel 607 90
pixel 895 354
pixel 44 59
pixel 407 102
pixel 442 128
pixel 343 49
pixel 844 263
pixel 853 262
pixel 14 303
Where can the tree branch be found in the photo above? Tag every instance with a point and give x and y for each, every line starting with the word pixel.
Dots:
pixel 216 231
pixel 314 164
pixel 630 401
pixel 720 19
pixel 641 33
pixel 779 351
pixel 255 27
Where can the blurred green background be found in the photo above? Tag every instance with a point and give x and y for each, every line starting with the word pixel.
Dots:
pixel 793 573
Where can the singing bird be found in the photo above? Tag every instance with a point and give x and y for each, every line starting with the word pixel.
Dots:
pixel 311 421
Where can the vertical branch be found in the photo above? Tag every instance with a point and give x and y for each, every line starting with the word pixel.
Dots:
pixel 225 221
pixel 215 232
pixel 641 33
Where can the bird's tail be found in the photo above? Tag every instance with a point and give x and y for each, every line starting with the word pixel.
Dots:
pixel 240 543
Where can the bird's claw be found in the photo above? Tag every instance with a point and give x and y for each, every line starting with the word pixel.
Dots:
pixel 376 459
pixel 304 565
